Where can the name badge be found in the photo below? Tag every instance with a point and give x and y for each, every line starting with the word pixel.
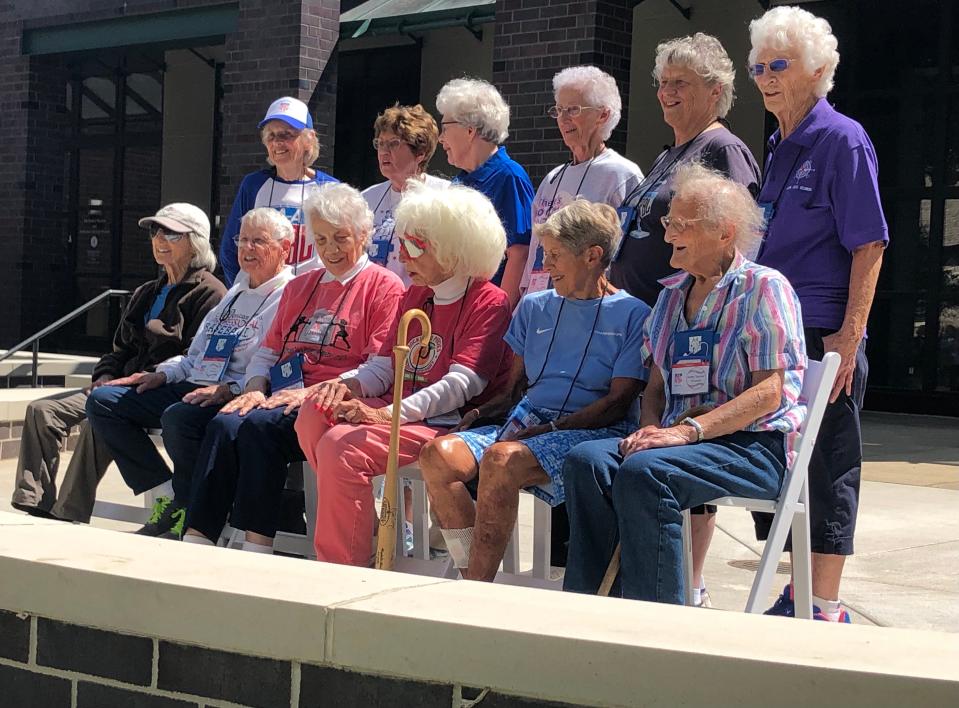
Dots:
pixel 626 216
pixel 216 359
pixel 692 354
pixel 538 280
pixel 523 416
pixel 769 211
pixel 287 373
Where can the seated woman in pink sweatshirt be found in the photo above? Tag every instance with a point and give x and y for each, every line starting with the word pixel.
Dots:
pixel 328 321
pixel 452 242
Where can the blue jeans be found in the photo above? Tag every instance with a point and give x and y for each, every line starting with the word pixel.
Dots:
pixel 118 415
pixel 639 502
pixel 242 472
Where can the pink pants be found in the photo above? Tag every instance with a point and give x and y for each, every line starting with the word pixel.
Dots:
pixel 346 458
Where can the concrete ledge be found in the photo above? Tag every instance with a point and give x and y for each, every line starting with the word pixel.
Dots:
pixel 14 401
pixel 21 364
pixel 545 646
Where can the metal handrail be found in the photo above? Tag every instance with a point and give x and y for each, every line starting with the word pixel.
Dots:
pixel 34 339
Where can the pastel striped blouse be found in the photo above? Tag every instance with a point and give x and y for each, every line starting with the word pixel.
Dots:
pixel 759 328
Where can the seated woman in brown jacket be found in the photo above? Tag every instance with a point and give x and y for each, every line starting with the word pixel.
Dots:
pixel 158 322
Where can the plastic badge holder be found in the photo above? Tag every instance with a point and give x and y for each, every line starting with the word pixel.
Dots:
pixel 523 416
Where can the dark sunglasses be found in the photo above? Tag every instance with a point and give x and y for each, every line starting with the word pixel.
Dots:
pixel 170 236
pixel 775 66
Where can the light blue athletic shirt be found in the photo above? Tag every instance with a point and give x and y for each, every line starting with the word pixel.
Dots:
pixel 615 349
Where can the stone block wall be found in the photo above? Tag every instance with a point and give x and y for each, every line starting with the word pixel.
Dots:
pixel 45 662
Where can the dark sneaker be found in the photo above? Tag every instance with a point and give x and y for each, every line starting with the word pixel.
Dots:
pixel 167 519
pixel 784 605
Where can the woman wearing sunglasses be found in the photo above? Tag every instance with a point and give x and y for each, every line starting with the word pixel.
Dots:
pixel 576 372
pixel 158 322
pixel 404 138
pixel 587 109
pixel 826 232
pixel 451 243
pixel 328 321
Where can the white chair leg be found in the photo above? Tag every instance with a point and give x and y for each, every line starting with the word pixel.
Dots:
pixel 421 521
pixel 511 556
pixel 772 552
pixel 542 538
pixel 310 501
pixel 687 557
pixel 802 560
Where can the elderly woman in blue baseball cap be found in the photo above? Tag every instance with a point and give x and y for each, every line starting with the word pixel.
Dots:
pixel 291 149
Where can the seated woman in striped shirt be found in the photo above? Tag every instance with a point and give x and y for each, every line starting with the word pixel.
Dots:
pixel 721 409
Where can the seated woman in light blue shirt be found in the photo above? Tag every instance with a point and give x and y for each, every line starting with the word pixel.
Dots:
pixel 577 370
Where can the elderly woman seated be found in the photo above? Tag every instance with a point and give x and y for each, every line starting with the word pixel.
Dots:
pixel 575 375
pixel 725 337
pixel 451 243
pixel 328 321
pixel 158 322
pixel 186 391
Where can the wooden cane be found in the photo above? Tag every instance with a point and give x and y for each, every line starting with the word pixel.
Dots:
pixel 386 541
pixel 612 570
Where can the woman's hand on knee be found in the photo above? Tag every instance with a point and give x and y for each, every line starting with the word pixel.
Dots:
pixel 326 396
pixel 244 403
pixel 143 380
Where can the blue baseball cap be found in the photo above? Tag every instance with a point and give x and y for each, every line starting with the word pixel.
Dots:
pixel 291 111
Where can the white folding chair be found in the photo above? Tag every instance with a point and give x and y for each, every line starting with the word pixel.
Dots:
pixel 132 513
pixel 790 509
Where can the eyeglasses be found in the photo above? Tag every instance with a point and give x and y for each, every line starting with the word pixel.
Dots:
pixel 284 136
pixel 677 223
pixel 413 245
pixel 445 123
pixel 256 243
pixel 389 145
pixel 170 236
pixel 776 66
pixel 571 111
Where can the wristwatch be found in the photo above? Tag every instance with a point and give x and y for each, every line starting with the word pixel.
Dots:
pixel 700 433
pixel 234 388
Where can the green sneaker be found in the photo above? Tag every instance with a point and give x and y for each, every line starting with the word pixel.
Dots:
pixel 166 519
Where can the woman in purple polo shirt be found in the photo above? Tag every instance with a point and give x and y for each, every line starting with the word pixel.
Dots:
pixel 826 233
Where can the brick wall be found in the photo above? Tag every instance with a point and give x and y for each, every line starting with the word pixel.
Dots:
pixel 44 662
pixel 537 38
pixel 280 48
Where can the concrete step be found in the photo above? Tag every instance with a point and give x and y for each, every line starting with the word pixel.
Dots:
pixel 14 401
pixel 20 364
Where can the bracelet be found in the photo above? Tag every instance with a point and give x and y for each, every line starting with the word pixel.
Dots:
pixel 700 433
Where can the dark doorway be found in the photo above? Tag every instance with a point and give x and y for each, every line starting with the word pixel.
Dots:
pixel 370 81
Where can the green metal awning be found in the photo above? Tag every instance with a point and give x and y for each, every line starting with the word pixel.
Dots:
pixel 172 26
pixel 377 17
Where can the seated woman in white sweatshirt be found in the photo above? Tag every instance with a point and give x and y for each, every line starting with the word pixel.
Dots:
pixel 186 391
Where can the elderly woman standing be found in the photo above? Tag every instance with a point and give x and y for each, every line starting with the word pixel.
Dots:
pixel 725 336
pixel 158 322
pixel 694 76
pixel 186 391
pixel 292 147
pixel 576 373
pixel 328 322
pixel 451 243
pixel 405 139
pixel 474 126
pixel 695 80
pixel 588 108
pixel 826 233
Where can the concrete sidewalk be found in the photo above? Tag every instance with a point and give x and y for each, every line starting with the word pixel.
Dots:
pixel 906 569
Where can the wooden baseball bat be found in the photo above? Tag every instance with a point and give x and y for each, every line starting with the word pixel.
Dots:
pixel 386 541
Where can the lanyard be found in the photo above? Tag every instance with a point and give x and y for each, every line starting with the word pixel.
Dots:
pixel 582 360
pixel 429 346
pixel 559 183
pixel 300 319
pixel 655 178
pixel 389 189
pixel 719 317
pixel 779 194
pixel 226 312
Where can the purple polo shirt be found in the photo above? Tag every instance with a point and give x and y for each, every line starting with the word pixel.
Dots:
pixel 823 184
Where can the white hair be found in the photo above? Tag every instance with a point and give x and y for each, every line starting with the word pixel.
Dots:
pixel 722 201
pixel 792 28
pixel 341 205
pixel 202 253
pixel 271 220
pixel 707 58
pixel 478 104
pixel 460 224
pixel 598 88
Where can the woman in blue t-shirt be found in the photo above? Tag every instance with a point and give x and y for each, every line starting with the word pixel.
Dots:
pixel 577 371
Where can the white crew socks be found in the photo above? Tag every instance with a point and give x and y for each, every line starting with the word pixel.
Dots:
pixel 458 542
pixel 256 547
pixel 698 591
pixel 831 608
pixel 164 490
pixel 199 540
